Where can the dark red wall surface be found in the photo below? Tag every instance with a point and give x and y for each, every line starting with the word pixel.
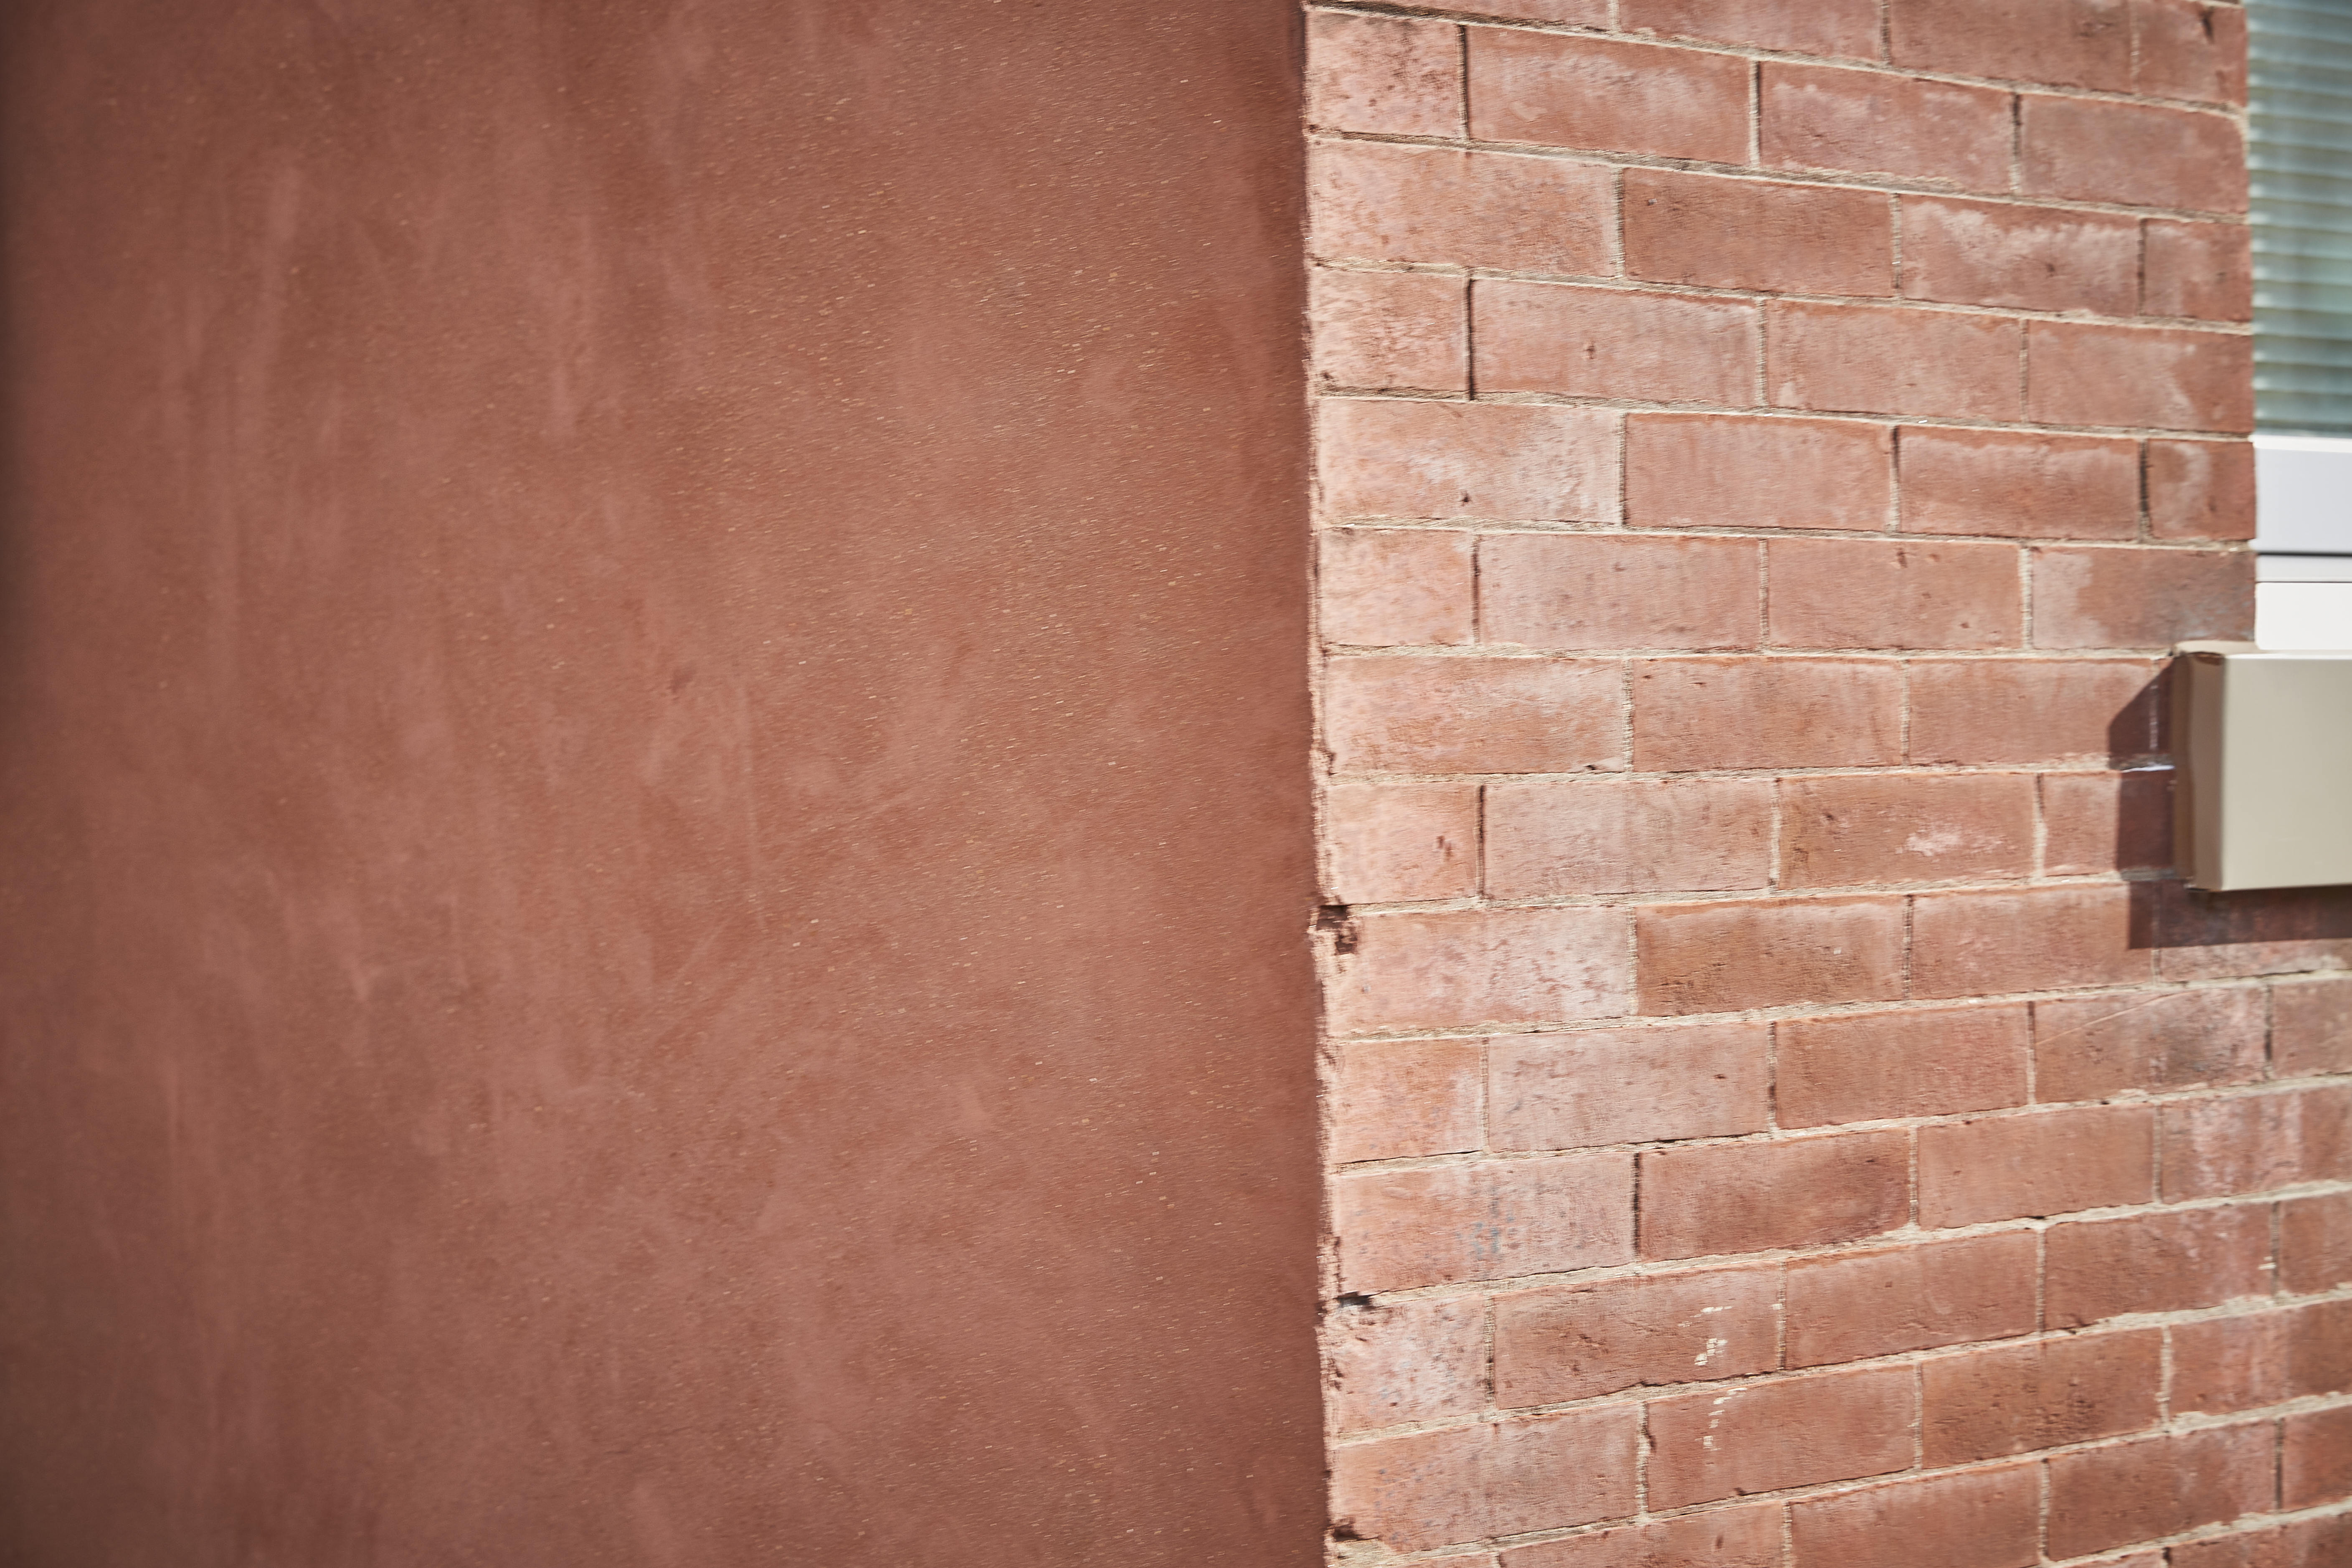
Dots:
pixel 654 745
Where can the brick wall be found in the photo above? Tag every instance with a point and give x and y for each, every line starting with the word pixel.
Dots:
pixel 1782 1110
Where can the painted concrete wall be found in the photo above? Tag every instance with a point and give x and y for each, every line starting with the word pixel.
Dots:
pixel 653 759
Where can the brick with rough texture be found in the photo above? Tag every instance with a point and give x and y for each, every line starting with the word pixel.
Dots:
pixel 1905 827
pixel 1393 76
pixel 2200 490
pixel 2169 377
pixel 1427 1489
pixel 2252 1143
pixel 2085 149
pixel 2011 1167
pixel 1390 329
pixel 1746 1197
pixel 1848 27
pixel 1567 91
pixel 1383 587
pixel 1761 713
pixel 1818 117
pixel 2140 599
pixel 1711 470
pixel 2013 1399
pixel 1987 1519
pixel 1604 591
pixel 2316 1461
pixel 1376 203
pixel 1471 967
pixel 1750 233
pixel 2065 43
pixel 1835 1427
pixel 1870 359
pixel 1406 1361
pixel 1613 343
pixel 2311 1544
pixel 2319 1349
pixel 1618 835
pixel 2190 49
pixel 1934 1061
pixel 2098 1047
pixel 2105 1497
pixel 1990 711
pixel 2033 258
pixel 2040 939
pixel 2311 1024
pixel 2202 935
pixel 1474 715
pixel 1400 1229
pixel 2316 1243
pixel 1551 1346
pixel 2097 823
pixel 1720 1538
pixel 2154 1263
pixel 1892 593
pixel 1394 458
pixel 1579 13
pixel 2019 483
pixel 2202 270
pixel 1628 1086
pixel 1722 957
pixel 1393 1098
pixel 1396 843
pixel 1858 1305
pixel 2222 1365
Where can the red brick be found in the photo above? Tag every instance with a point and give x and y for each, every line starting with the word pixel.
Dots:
pixel 1386 330
pixel 1406 1361
pixel 2105 1497
pixel 1836 1427
pixel 1858 1305
pixel 2154 1263
pixel 1986 710
pixel 2316 1243
pixel 1628 835
pixel 1874 358
pixel 2202 270
pixel 2312 1543
pixel 1746 233
pixel 2128 152
pixel 1854 592
pixel 1579 13
pixel 2097 823
pixel 1389 75
pixel 1720 1538
pixel 1629 1086
pixel 2226 1365
pixel 1988 1520
pixel 2140 597
pixel 2042 939
pixel 1474 715
pixel 1798 1192
pixel 2013 1399
pixel 1400 1229
pixel 2059 1162
pixel 1397 457
pixel 1613 343
pixel 1724 957
pixel 2034 258
pixel 1933 1061
pixel 1566 91
pixel 2188 49
pixel 1763 713
pixel 2202 935
pixel 1551 1346
pixel 1397 843
pixel 1377 203
pixel 1429 1489
pixel 2319 1350
pixel 1391 1098
pixel 1842 830
pixel 1609 590
pixel 1378 588
pixel 2217 1147
pixel 2097 1047
pixel 1818 117
pixel 2085 374
pixel 2200 490
pixel 1469 967
pixel 2317 1461
pixel 2029 485
pixel 2067 43
pixel 2311 1027
pixel 1709 470
pixel 1847 27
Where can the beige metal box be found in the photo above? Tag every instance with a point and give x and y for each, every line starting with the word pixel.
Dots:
pixel 2264 742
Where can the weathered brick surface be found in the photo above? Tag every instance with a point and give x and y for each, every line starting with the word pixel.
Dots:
pixel 1766 454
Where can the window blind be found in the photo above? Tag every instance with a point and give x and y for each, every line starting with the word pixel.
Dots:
pixel 2300 154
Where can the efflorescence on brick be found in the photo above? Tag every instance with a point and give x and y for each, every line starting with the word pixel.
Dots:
pixel 1783 1109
